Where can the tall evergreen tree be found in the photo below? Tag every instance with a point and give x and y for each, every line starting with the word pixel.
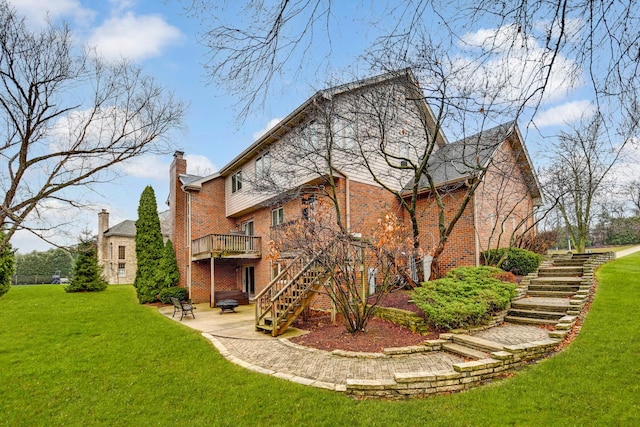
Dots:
pixel 149 247
pixel 168 273
pixel 87 275
pixel 7 266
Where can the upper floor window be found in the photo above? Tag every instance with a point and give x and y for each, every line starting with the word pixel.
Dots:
pixel 236 181
pixel 263 164
pixel 121 252
pixel 344 134
pixel 310 136
pixel 277 216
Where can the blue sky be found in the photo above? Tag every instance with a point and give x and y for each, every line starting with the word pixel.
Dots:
pixel 163 40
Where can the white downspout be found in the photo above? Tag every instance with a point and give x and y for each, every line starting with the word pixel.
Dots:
pixel 475 228
pixel 347 184
pixel 188 242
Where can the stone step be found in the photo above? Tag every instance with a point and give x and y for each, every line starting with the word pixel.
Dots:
pixel 554 287
pixel 560 271
pixel 465 351
pixel 568 262
pixel 536 314
pixel 576 281
pixel 551 294
pixel 477 343
pixel 529 320
pixel 560 305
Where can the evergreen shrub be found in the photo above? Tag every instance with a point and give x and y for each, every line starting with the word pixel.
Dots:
pixel 173 291
pixel 465 297
pixel 518 261
pixel 87 276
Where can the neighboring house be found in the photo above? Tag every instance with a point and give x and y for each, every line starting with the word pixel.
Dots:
pixel 117 247
pixel 222 223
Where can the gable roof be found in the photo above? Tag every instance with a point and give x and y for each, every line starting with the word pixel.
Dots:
pixel 299 114
pixel 461 159
pixel 127 228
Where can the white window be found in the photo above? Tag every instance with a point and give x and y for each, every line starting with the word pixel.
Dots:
pixel 110 251
pixel 344 134
pixel 310 136
pixel 263 164
pixel 236 181
pixel 121 269
pixel 277 216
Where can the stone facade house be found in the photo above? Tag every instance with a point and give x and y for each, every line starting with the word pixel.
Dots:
pixel 221 224
pixel 117 247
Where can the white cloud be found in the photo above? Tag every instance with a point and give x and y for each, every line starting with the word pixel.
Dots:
pixel 152 167
pixel 133 37
pixel 199 165
pixel 564 114
pixel 37 11
pixel 257 134
pixel 513 67
pixel 147 167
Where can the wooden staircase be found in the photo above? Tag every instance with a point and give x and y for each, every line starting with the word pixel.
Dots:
pixel 286 296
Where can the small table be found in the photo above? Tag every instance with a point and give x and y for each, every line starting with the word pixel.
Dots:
pixel 227 305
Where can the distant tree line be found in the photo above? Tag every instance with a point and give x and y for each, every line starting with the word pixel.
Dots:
pixel 45 263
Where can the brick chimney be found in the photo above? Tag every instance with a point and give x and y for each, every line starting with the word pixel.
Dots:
pixel 103 225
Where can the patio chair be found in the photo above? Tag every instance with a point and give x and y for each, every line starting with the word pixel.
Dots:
pixel 185 307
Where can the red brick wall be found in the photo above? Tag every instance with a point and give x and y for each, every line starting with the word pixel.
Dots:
pixel 460 247
pixel 368 205
pixel 502 201
pixel 178 212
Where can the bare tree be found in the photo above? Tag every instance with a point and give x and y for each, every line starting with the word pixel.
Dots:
pixel 568 42
pixel 360 270
pixel 632 191
pixel 579 173
pixel 68 117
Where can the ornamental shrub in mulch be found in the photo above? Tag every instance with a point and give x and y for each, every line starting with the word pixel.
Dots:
pixel 465 297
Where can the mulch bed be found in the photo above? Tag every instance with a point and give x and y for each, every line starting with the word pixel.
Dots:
pixel 378 335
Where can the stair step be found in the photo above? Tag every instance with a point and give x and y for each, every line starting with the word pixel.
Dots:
pixel 551 294
pixel 560 271
pixel 529 320
pixel 550 287
pixel 560 305
pixel 569 281
pixel 465 351
pixel 536 314
pixel 477 343
pixel 267 329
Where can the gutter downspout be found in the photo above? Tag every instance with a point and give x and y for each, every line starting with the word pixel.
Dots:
pixel 347 200
pixel 475 228
pixel 189 255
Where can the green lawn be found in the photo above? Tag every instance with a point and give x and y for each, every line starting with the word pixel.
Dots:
pixel 102 359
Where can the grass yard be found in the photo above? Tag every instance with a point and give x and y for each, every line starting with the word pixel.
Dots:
pixel 103 359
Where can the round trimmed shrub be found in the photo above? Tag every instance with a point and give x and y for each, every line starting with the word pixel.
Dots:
pixel 518 261
pixel 173 291
pixel 465 297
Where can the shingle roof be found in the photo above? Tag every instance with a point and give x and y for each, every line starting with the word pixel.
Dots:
pixel 125 228
pixel 463 158
pixel 128 227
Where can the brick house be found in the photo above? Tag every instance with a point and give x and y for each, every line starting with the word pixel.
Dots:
pixel 117 247
pixel 221 223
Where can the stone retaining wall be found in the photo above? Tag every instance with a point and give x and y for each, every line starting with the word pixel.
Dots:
pixel 464 375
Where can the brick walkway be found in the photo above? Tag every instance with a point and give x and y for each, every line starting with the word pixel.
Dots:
pixel 235 337
pixel 318 365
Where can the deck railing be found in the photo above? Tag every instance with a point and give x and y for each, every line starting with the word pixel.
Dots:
pixel 226 244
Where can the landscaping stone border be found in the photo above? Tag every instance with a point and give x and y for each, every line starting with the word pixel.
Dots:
pixel 468 375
